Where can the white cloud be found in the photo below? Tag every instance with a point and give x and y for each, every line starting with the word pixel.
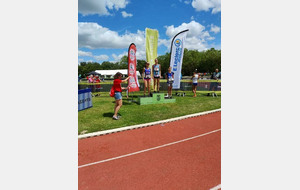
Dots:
pixel 94 36
pixel 192 18
pixel 141 55
pixel 214 28
pixel 210 38
pixel 206 5
pixel 196 38
pixel 90 54
pixel 195 29
pixel 195 44
pixel 102 7
pixel 84 53
pixel 164 42
pixel 187 2
pixel 118 57
pixel 80 60
pixel 204 34
pixel 101 57
pixel 124 14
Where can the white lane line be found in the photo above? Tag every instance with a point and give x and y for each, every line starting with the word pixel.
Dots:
pixel 216 187
pixel 98 162
pixel 94 134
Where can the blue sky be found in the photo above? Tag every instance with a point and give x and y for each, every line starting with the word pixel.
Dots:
pixel 107 28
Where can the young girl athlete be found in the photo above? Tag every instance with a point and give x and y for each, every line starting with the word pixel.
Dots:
pixel 147 78
pixel 195 78
pixel 156 74
pixel 170 80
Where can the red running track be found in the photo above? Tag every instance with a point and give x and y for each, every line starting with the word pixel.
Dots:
pixel 191 164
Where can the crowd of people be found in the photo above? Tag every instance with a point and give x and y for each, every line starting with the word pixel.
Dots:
pixel 93 79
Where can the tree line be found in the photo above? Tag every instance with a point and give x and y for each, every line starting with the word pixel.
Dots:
pixel 204 62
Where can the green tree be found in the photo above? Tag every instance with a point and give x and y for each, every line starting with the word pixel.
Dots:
pixel 164 61
pixel 190 62
pixel 140 64
pixel 205 61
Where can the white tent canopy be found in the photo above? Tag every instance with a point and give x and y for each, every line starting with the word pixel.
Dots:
pixel 111 73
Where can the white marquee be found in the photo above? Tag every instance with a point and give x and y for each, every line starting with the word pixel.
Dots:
pixel 111 73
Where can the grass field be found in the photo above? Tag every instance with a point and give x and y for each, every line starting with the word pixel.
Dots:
pixel 142 81
pixel 99 117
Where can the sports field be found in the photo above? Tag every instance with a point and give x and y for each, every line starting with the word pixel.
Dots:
pixel 99 117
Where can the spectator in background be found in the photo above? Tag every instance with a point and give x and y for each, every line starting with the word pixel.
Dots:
pixel 214 85
pixel 91 79
pixel 195 78
pixel 216 75
pixel 79 78
pixel 98 86
pixel 95 78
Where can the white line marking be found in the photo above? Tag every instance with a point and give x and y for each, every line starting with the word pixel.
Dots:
pixel 145 124
pixel 216 187
pixel 93 163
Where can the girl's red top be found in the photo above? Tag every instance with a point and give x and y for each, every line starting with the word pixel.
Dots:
pixel 117 85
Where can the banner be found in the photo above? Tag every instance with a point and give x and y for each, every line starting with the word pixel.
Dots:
pixel 151 49
pixel 84 99
pixel 133 80
pixel 177 50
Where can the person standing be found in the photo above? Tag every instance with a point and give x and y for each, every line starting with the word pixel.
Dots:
pixel 91 79
pixel 170 80
pixel 79 77
pixel 118 93
pixel 215 76
pixel 195 78
pixel 156 74
pixel 94 78
pixel 147 78
pixel 97 85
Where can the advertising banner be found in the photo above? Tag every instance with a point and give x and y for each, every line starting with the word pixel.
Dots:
pixel 133 80
pixel 84 99
pixel 177 50
pixel 151 49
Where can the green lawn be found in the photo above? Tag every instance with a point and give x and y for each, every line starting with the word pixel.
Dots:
pixel 99 117
pixel 142 81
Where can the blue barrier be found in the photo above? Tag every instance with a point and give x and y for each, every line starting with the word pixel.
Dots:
pixel 84 99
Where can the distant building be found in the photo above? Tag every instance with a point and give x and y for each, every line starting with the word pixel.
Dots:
pixel 111 73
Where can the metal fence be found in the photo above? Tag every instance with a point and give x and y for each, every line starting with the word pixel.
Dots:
pixel 184 86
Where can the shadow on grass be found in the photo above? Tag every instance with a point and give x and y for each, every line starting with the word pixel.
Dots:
pixel 109 114
pixel 128 102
